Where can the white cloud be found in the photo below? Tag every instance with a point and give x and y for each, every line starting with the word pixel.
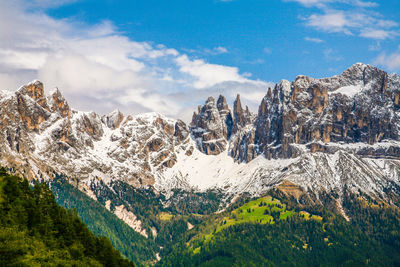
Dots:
pixel 377 34
pixel 367 25
pixel 256 61
pixel 375 47
pixel 218 50
pixel 350 17
pixel 330 22
pixel 98 68
pixel 314 40
pixel 391 61
pixel 365 4
pixel 310 3
pixel 267 50
pixel 322 3
pixel 207 75
pixel 332 55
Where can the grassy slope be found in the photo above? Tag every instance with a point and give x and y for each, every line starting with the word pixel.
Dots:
pixel 245 236
pixel 250 212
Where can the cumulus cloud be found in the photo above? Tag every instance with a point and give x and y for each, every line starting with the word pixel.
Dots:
pixel 97 68
pixel 206 75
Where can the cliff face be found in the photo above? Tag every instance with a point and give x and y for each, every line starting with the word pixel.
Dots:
pixel 41 135
pixel 359 106
pixel 214 124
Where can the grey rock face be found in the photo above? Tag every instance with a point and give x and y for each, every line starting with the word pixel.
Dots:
pixel 359 106
pixel 209 127
pixel 42 135
pixel 214 124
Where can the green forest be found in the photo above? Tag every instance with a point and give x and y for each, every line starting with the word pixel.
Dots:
pixel 271 232
pixel 35 231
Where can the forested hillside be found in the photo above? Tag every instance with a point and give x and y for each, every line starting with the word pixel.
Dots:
pixel 269 232
pixel 102 222
pixel 35 231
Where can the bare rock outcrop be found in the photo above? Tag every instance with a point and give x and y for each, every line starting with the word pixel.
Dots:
pixel 358 106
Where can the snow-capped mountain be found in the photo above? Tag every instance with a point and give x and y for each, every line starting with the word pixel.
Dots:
pixel 311 135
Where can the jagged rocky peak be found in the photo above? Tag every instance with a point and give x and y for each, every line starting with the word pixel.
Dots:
pixel 31 105
pixel 213 125
pixel 226 116
pixel 209 129
pixel 57 103
pixel 44 135
pixel 181 131
pixel 34 89
pixel 364 73
pixel 358 74
pixel 360 105
pixel 241 116
pixel 356 112
pixel 91 124
pixel 222 105
pixel 113 120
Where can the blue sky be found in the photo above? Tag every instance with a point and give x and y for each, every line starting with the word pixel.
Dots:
pixel 268 38
pixel 167 56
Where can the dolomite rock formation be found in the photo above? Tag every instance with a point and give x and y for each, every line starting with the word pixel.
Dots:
pixel 209 126
pixel 358 106
pixel 214 124
pixel 310 135
pixel 42 135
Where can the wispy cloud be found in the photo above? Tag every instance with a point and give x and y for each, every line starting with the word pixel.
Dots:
pixel 334 21
pixel 323 3
pixel 375 47
pixel 390 61
pixel 267 50
pixel 216 50
pixel 377 34
pixel 314 40
pixel 332 55
pixel 350 17
pixel 350 23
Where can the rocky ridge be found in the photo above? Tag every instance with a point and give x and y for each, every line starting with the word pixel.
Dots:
pixel 359 106
pixel 43 135
pixel 314 135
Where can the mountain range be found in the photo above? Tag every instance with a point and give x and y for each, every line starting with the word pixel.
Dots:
pixel 313 139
